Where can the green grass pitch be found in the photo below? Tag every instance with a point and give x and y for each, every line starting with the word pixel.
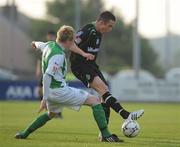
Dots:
pixel 160 126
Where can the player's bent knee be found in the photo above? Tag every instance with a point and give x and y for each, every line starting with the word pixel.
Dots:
pixel 106 88
pixel 100 87
pixel 92 100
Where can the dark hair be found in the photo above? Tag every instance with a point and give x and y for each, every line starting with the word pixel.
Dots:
pixel 106 16
pixel 51 32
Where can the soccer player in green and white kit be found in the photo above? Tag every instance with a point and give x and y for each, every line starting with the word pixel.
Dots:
pixel 50 36
pixel 56 93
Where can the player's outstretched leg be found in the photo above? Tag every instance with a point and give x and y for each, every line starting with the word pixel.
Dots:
pixel 37 123
pixel 99 116
pixel 101 87
pixel 112 102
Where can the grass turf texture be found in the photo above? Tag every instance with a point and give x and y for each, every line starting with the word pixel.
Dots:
pixel 160 127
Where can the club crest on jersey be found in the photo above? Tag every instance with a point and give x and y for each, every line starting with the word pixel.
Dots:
pixel 88 77
pixel 77 38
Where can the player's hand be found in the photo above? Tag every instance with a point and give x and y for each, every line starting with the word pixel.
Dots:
pixel 33 45
pixel 88 56
pixel 42 106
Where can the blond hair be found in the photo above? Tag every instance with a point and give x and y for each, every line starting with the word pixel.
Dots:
pixel 65 33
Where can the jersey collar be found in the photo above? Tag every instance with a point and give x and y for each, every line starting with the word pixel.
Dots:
pixel 94 25
pixel 61 46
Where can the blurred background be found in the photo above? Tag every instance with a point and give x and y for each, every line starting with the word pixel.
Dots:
pixel 140 57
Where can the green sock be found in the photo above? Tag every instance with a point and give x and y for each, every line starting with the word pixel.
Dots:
pixel 37 123
pixel 100 118
pixel 106 109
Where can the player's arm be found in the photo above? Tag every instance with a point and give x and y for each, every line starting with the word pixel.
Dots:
pixel 38 45
pixel 54 65
pixel 81 36
pixel 46 87
pixel 76 49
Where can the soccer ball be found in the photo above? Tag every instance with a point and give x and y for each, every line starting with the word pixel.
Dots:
pixel 130 128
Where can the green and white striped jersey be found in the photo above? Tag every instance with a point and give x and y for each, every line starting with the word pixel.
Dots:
pixel 53 62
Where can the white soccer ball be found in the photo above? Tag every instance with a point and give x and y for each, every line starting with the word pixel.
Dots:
pixel 130 128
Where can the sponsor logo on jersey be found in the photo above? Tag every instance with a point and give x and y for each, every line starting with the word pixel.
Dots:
pixel 90 49
pixel 55 67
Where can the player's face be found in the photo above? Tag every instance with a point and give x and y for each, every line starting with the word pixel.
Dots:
pixel 107 26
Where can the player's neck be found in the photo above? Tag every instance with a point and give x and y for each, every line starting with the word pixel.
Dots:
pixel 97 26
pixel 61 45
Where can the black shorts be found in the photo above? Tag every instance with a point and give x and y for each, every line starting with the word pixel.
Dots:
pixel 87 72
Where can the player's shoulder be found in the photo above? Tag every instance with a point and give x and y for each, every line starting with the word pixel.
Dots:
pixel 55 48
pixel 50 43
pixel 89 28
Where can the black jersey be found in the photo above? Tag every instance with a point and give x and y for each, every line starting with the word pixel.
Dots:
pixel 88 39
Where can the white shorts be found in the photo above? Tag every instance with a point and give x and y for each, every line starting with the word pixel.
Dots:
pixel 66 97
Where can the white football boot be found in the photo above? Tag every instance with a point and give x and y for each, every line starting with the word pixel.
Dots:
pixel 135 115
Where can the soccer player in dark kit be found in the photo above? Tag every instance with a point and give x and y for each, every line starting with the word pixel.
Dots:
pixel 88 38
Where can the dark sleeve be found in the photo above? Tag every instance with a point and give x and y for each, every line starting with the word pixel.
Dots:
pixel 83 34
